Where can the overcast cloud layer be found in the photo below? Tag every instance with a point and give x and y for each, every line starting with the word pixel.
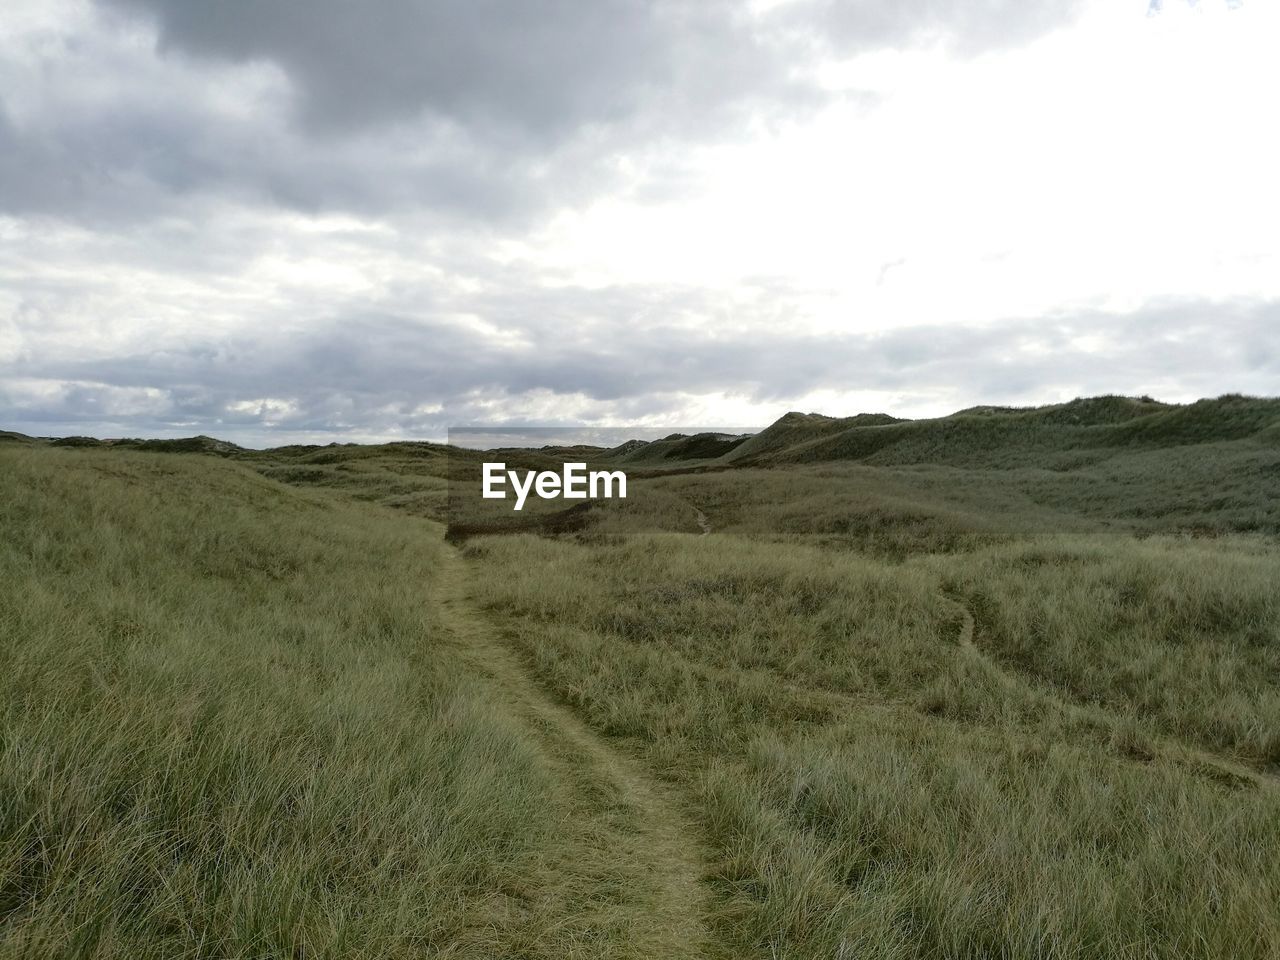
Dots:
pixel 321 220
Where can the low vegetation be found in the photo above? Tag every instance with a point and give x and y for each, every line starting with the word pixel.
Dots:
pixel 999 685
pixel 237 723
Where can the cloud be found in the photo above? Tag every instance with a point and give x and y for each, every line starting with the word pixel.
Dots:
pixel 500 68
pixel 485 110
pixel 541 70
pixel 94 129
pixel 490 110
pixel 380 375
pixel 966 26
pixel 287 219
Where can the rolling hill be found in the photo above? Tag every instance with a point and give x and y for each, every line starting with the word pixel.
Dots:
pixel 999 684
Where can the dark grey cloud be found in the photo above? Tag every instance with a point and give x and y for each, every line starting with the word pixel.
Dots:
pixel 543 68
pixel 487 110
pixel 140 160
pixel 482 109
pixel 526 68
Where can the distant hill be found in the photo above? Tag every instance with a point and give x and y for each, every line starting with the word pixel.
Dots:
pixel 200 444
pixel 795 430
pixel 990 437
pixel 678 447
pixel 1054 437
pixel 982 437
pixel 1132 463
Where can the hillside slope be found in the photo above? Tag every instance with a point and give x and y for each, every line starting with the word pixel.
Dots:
pixel 1038 437
pixel 1020 699
pixel 242 720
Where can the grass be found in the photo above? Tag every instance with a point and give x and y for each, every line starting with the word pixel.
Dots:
pixel 872 790
pixel 1001 685
pixel 233 727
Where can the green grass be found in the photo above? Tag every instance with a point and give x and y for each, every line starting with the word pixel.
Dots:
pixel 1005 684
pixel 871 789
pixel 232 728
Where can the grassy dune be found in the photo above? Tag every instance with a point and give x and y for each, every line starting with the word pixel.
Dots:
pixel 872 789
pixel 999 685
pixel 233 727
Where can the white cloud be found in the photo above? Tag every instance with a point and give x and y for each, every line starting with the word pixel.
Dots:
pixel 1123 159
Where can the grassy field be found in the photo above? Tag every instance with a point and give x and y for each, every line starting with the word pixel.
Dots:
pixel 243 721
pixel 1005 684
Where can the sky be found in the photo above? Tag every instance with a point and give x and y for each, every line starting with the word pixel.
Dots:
pixel 315 220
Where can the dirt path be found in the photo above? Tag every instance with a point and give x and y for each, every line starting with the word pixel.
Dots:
pixel 1215 765
pixel 703 523
pixel 634 866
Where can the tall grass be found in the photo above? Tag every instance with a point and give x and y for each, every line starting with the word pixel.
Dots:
pixel 1183 634
pixel 1015 703
pixel 229 730
pixel 872 792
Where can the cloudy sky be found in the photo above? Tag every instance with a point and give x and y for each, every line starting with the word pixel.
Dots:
pixel 319 219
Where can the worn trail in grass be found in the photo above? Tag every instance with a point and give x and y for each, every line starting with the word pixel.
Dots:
pixel 1215 765
pixel 703 523
pixel 633 861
